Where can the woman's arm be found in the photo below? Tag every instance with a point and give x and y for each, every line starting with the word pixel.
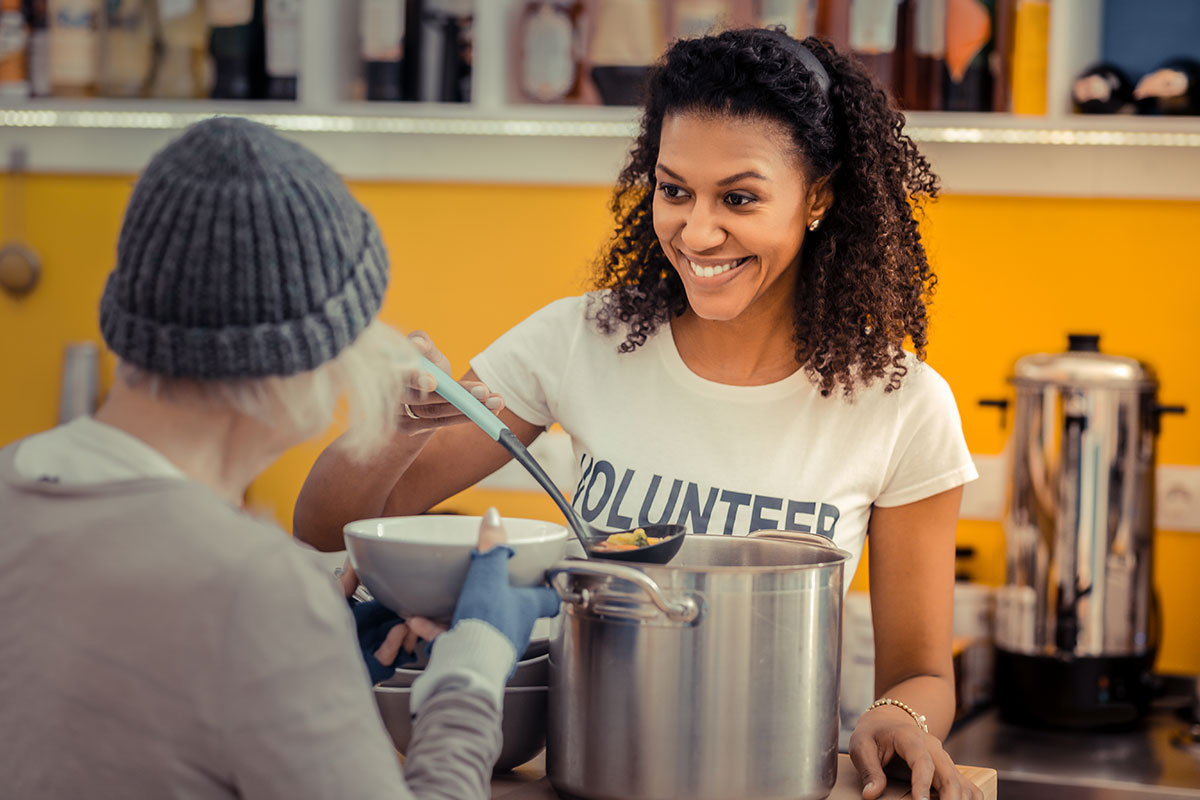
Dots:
pixel 912 605
pixel 912 608
pixel 454 459
pixel 423 464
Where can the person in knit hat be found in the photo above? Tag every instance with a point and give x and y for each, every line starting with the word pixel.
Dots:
pixel 157 640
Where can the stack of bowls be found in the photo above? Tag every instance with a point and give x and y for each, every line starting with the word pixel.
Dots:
pixel 416 566
pixel 523 718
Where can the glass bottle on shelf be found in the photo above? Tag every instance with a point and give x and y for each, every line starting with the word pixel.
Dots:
pixel 1004 18
pixel 74 47
pixel 873 36
pixel 14 51
pixel 548 43
pixel 969 32
pixel 691 18
pixel 381 44
pixel 445 51
pixel 183 69
pixel 1031 37
pixel 833 22
pixel 627 37
pixel 798 17
pixel 925 56
pixel 38 70
pixel 236 41
pixel 128 50
pixel 282 20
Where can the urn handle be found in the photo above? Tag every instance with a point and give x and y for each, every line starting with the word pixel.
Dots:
pixel 999 403
pixel 686 610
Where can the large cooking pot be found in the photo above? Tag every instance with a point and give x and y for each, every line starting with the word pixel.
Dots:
pixel 714 677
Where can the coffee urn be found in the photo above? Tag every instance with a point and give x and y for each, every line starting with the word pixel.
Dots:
pixel 1077 624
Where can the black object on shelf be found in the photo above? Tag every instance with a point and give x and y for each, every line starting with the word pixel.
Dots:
pixel 387 47
pixel 1102 89
pixel 410 66
pixel 384 80
pixel 968 85
pixel 620 85
pixel 1172 88
pixel 38 51
pixel 444 52
pixel 239 57
pixel 281 48
pixel 281 87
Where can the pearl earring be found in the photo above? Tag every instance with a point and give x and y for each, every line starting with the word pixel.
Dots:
pixel 816 223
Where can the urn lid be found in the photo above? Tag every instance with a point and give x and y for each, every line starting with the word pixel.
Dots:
pixel 1083 365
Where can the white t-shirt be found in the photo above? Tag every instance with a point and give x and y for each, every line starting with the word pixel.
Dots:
pixel 654 442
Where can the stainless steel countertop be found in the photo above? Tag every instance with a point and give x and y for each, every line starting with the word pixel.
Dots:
pixel 1033 764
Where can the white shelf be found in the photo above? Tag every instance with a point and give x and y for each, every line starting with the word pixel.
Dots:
pixel 1068 156
pixel 491 140
pixel 460 119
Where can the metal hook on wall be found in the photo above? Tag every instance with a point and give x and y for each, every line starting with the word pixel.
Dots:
pixel 20 267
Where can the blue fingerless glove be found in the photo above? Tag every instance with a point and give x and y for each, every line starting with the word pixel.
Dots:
pixel 487 596
pixel 372 622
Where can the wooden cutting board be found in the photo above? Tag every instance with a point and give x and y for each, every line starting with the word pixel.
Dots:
pixel 529 783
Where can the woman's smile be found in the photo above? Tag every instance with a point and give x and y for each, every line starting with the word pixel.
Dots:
pixel 706 269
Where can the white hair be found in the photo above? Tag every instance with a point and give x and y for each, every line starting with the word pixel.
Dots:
pixel 370 374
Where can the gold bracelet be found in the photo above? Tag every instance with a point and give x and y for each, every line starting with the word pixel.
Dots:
pixel 887 701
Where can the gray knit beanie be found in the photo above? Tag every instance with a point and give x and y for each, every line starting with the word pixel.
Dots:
pixel 242 255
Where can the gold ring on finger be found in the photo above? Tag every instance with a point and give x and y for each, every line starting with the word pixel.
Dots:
pixel 409 412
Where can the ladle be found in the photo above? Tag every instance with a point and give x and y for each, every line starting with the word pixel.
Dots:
pixel 589 536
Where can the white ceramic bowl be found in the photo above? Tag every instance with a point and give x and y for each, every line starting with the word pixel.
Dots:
pixel 416 565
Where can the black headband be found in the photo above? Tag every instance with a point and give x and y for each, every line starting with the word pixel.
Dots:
pixel 810 62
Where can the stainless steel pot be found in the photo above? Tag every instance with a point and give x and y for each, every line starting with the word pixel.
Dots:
pixel 714 677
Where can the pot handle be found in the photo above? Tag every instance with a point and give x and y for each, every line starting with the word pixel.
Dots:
pixel 794 536
pixel 685 610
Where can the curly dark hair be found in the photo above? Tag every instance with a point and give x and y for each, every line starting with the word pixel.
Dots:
pixel 864 280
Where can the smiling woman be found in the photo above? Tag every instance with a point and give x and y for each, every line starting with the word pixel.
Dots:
pixel 803 157
pixel 742 364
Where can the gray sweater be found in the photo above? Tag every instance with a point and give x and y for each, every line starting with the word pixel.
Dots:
pixel 157 642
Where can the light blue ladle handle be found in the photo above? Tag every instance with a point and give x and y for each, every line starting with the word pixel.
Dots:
pixel 464 401
pixel 478 413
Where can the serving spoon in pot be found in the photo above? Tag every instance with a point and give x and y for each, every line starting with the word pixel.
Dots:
pixel 590 537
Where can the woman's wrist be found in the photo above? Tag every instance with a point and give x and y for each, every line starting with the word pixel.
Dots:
pixel 888 715
pixel 928 695
pixel 904 708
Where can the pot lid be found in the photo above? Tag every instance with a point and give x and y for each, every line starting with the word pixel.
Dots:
pixel 1083 365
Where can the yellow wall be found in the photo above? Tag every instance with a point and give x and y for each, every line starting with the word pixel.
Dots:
pixel 1015 275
